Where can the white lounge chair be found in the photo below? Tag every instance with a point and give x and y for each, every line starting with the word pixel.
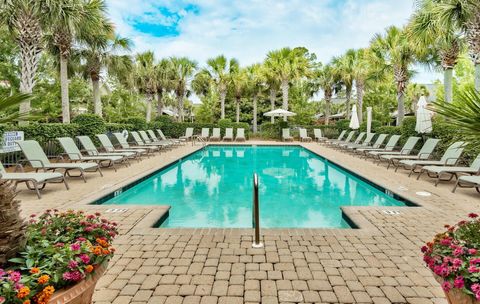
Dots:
pixel 205 134
pixel 449 158
pixel 389 147
pixel 303 135
pixel 107 145
pixel 215 135
pixel 148 141
pixel 240 135
pixel 188 135
pixel 36 179
pixel 175 141
pixel 228 134
pixel 348 141
pixel 468 181
pixel 424 153
pixel 376 145
pixel 406 149
pixel 286 135
pixel 156 139
pixel 317 133
pixel 140 143
pixel 75 155
pixel 125 145
pixel 366 143
pixel 438 171
pixel 38 160
pixel 340 137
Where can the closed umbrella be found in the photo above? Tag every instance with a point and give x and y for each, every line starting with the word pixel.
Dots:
pixel 280 113
pixel 354 124
pixel 424 117
pixel 369 120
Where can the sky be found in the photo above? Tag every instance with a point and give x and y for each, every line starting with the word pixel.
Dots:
pixel 248 29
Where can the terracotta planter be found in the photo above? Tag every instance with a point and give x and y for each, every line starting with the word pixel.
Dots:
pixel 80 293
pixel 456 296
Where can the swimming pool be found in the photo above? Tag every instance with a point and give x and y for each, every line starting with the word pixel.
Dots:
pixel 213 188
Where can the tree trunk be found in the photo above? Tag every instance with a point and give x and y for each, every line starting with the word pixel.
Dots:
pixel 255 127
pixel 347 102
pixel 64 89
pixel 473 40
pixel 30 44
pixel 285 88
pixel 159 103
pixel 180 108
pixel 238 109
pixel 328 99
pixel 97 101
pixel 448 84
pixel 477 77
pixel 223 95
pixel 148 116
pixel 360 89
pixel 273 99
pixel 401 107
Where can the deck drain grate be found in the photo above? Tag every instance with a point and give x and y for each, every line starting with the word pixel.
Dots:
pixel 391 212
pixel 115 210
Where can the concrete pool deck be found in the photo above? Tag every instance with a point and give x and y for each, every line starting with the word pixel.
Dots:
pixel 378 263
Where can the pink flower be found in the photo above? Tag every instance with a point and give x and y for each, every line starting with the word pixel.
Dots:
pixel 459 282
pixel 2 299
pixel 59 245
pixel 72 265
pixel 88 229
pixel 81 239
pixel 457 262
pixel 445 242
pixel 473 269
pixel 75 247
pixel 475 261
pixel 85 258
pixel 446 286
pixel 72 276
pixel 458 251
pixel 472 251
pixel 472 215
pixel 15 276
pixel 33 215
pixel 476 287
pixel 424 249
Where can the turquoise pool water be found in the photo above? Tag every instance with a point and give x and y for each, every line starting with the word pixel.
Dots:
pixel 213 188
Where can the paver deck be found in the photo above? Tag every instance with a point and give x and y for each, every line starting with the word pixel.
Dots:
pixel 378 263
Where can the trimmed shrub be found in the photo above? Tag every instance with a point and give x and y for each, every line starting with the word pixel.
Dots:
pixel 408 127
pixel 375 125
pixel 388 130
pixel 89 125
pixel 177 129
pixel 342 124
pixel 164 119
pixel 46 132
pixel 138 123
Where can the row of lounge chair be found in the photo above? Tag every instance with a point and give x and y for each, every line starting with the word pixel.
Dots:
pixel 205 135
pixel 88 158
pixel 303 136
pixel 443 169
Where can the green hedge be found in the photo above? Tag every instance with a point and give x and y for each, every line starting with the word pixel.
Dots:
pixel 90 125
pixel 274 131
pixel 46 132
pixel 118 127
pixel 138 123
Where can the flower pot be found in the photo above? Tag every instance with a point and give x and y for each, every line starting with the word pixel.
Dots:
pixel 456 296
pixel 80 293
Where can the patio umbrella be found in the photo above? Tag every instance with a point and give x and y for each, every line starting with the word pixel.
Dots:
pixel 279 113
pixel 424 117
pixel 354 124
pixel 369 120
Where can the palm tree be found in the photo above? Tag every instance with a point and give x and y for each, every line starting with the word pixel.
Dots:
pixel 425 30
pixel 271 80
pixel 343 67
pixel 85 17
pixel 463 16
pixel 100 52
pixel 219 71
pixel 361 73
pixel 288 64
pixel 164 76
pixel 183 71
pixel 256 81
pixel 146 78
pixel 29 21
pixel 398 54
pixel 326 78
pixel 239 81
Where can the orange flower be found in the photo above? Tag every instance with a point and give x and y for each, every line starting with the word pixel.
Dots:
pixel 105 251
pixel 97 250
pixel 44 296
pixel 34 270
pixel 102 243
pixel 23 292
pixel 43 279
pixel 26 302
pixel 89 268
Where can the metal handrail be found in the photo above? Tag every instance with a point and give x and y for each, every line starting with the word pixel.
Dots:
pixel 256 214
pixel 200 139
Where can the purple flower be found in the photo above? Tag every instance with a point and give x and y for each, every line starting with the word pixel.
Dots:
pixel 459 282
pixel 72 276
pixel 73 265
pixel 75 247
pixel 85 258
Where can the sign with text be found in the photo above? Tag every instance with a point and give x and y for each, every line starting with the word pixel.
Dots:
pixel 9 141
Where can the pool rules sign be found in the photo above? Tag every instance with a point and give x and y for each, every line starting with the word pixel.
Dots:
pixel 9 141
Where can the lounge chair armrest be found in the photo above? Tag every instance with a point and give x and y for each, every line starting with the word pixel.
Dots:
pixel 451 158
pixel 73 154
pixel 406 151
pixel 37 161
pixel 94 152
pixel 427 154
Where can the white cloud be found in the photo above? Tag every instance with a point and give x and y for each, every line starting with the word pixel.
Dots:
pixel 248 29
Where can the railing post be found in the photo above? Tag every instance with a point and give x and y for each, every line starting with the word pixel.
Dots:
pixel 256 214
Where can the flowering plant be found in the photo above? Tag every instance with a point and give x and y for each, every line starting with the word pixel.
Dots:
pixel 62 249
pixel 454 256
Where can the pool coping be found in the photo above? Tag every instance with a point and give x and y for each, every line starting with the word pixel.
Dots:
pixel 353 214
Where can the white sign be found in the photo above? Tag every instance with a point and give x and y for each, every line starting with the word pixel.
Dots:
pixel 9 141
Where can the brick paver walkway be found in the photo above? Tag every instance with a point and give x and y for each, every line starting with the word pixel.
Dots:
pixel 378 263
